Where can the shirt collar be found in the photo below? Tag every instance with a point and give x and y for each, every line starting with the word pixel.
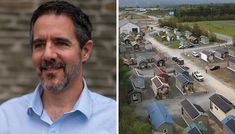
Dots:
pixel 83 104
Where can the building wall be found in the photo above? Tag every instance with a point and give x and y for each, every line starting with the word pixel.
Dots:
pixel 219 114
pixel 17 75
pixel 128 28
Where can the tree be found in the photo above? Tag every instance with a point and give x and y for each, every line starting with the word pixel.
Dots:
pixel 197 30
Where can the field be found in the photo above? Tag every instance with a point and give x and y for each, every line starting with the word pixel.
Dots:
pixel 222 27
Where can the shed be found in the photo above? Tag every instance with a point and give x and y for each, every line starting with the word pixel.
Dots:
pixel 160 87
pixel 184 84
pixel 125 26
pixel 231 63
pixel 229 125
pixel 207 55
pixel 160 119
pixel 192 113
pixel 204 40
pixel 221 53
pixel 195 128
pixel 220 107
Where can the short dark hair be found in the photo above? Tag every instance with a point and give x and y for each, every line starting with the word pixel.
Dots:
pixel 81 21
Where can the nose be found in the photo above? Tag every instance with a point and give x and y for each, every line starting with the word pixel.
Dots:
pixel 49 52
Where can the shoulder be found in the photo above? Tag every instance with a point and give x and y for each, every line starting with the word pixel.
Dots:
pixel 15 103
pixel 106 102
pixel 11 109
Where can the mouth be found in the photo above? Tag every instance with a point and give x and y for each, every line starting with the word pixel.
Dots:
pixel 50 67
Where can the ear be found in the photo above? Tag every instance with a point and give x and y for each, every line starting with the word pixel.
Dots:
pixel 86 50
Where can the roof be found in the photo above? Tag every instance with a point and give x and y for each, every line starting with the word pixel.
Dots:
pixel 140 59
pixel 192 109
pixel 183 79
pixel 206 52
pixel 158 81
pixel 195 128
pixel 137 81
pixel 124 22
pixel 179 69
pixel 232 59
pixel 221 102
pixel 158 115
pixel 159 71
pixel 221 50
pixel 231 125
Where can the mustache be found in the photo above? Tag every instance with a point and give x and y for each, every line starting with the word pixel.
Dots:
pixel 52 64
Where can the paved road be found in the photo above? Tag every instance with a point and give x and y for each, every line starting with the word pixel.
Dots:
pixel 214 85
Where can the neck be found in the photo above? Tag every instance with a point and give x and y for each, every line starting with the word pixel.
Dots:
pixel 56 104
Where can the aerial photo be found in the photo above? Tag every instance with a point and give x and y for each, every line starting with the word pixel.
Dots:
pixel 177 66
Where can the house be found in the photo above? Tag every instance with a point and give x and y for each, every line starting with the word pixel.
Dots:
pixel 231 63
pixel 179 35
pixel 135 46
pixel 231 51
pixel 193 40
pixel 179 70
pixel 220 107
pixel 204 40
pixel 127 27
pixel 187 34
pixel 134 94
pixel 128 39
pixel 193 113
pixel 229 125
pixel 184 84
pixel 184 42
pixel 160 88
pixel 160 59
pixel 207 55
pixel 148 47
pixel 122 47
pixel 170 37
pixel 138 82
pixel 221 53
pixel 195 128
pixel 175 30
pixel 141 62
pixel 161 72
pixel 160 119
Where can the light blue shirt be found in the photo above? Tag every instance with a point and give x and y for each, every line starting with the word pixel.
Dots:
pixel 92 113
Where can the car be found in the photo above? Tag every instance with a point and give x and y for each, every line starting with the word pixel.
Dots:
pixel 214 68
pixel 198 76
pixel 195 54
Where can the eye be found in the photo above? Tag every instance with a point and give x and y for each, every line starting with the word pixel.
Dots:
pixel 38 45
pixel 62 43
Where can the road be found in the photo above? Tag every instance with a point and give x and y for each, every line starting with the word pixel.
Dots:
pixel 214 85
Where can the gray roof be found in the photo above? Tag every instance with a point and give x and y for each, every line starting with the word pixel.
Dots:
pixel 221 50
pixel 183 79
pixel 123 22
pixel 206 52
pixel 190 108
pixel 232 59
pixel 231 125
pixel 194 131
pixel 137 81
pixel 221 102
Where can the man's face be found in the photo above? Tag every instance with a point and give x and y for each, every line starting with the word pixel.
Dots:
pixel 56 52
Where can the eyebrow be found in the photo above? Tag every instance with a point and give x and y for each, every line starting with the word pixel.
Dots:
pixel 56 39
pixel 60 39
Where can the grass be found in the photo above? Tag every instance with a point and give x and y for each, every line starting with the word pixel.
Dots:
pixel 217 27
pixel 174 44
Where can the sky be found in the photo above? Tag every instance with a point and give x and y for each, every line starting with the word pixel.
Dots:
pixel 147 3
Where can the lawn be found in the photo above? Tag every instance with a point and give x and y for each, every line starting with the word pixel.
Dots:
pixel 217 27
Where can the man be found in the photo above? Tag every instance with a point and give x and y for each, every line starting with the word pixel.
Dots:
pixel 60 38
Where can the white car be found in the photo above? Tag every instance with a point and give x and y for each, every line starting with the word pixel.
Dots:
pixel 195 54
pixel 197 75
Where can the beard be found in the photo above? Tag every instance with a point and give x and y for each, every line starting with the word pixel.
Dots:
pixel 69 75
